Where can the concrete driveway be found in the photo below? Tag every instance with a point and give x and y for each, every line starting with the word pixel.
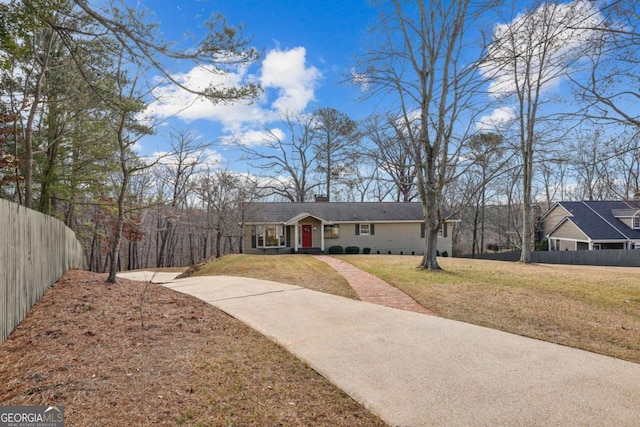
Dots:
pixel 418 370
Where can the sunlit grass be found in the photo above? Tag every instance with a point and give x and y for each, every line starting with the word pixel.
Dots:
pixel 594 308
pixel 300 270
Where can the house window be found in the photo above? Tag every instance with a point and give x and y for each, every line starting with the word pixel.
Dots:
pixel 270 236
pixel 365 229
pixel 332 231
pixel 636 222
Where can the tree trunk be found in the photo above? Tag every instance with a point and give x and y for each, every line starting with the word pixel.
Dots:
pixel 430 259
pixel 165 235
pixel 218 243
pixel 117 239
pixel 527 215
pixel 474 241
pixel 430 210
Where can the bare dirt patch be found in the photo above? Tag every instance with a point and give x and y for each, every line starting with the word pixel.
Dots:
pixel 83 346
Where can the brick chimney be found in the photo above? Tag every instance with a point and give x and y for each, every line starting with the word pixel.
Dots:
pixel 322 198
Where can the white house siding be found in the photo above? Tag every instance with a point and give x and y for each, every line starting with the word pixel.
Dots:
pixel 388 237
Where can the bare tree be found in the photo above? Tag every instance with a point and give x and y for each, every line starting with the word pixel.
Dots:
pixel 485 148
pixel 177 169
pixel 390 150
pixel 528 56
pixel 225 197
pixel 423 62
pixel 610 90
pixel 288 159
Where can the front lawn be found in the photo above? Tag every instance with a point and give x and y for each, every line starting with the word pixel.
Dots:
pixel 300 270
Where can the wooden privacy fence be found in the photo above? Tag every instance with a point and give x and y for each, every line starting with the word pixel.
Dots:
pixel 35 250
pixel 608 257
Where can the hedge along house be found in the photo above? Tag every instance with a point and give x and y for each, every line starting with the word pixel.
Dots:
pixel 593 225
pixel 384 227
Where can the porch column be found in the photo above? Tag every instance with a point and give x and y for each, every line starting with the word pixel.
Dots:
pixel 322 236
pixel 295 237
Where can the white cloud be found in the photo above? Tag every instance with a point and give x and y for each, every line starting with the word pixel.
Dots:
pixel 251 137
pixel 286 71
pixel 360 79
pixel 289 85
pixel 557 33
pixel 497 120
pixel 173 101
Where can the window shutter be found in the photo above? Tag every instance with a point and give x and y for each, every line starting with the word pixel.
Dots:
pixel 444 230
pixel 253 237
pixel 422 231
pixel 372 229
pixel 357 229
pixel 287 236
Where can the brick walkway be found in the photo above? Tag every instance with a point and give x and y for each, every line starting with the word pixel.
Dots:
pixel 372 289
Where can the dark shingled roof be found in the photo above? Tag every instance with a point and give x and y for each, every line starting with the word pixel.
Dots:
pixel 277 212
pixel 598 221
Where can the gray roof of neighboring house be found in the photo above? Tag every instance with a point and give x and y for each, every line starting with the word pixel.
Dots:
pixel 597 219
pixel 281 212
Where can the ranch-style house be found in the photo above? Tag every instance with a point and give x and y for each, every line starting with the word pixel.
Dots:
pixel 314 227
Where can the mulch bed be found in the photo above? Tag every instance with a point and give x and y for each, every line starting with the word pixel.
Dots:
pixel 141 354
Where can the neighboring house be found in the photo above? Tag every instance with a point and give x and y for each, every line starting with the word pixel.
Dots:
pixel 593 225
pixel 383 227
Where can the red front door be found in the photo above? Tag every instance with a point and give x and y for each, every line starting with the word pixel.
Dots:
pixel 307 236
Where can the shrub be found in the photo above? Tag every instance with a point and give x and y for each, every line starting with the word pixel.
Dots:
pixel 445 254
pixel 352 250
pixel 336 249
pixel 366 250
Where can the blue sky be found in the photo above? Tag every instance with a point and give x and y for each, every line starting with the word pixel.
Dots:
pixel 308 48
